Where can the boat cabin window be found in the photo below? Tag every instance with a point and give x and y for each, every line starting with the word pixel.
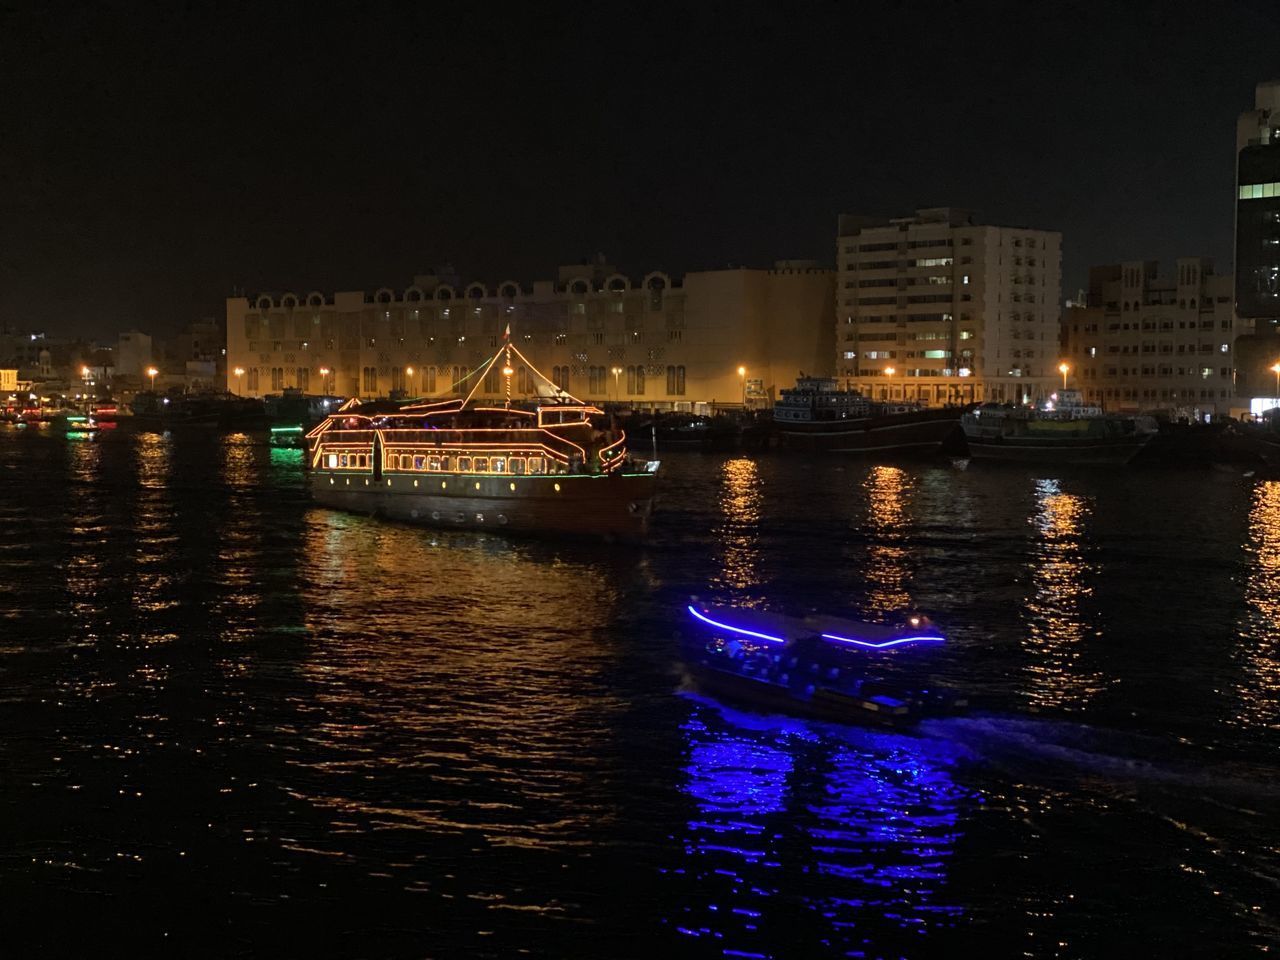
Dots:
pixel 517 465
pixel 406 462
pixel 446 464
pixel 419 463
pixel 537 465
pixel 331 461
pixel 464 464
pixel 342 460
pixel 498 465
pixel 433 463
pixel 480 464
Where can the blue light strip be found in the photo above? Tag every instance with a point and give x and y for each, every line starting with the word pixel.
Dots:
pixel 725 626
pixel 888 643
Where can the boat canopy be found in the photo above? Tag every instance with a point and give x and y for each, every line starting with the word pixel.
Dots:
pixel 779 628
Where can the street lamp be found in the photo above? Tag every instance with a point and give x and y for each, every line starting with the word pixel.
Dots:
pixel 85 373
pixel 742 375
pixel 151 372
pixel 324 379
pixel 616 371
pixel 408 381
pixel 1064 367
pixel 239 372
pixel 1276 370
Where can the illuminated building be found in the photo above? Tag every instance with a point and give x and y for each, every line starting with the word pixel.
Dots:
pixel 1257 249
pixel 1258 207
pixel 958 310
pixel 656 342
pixel 1145 342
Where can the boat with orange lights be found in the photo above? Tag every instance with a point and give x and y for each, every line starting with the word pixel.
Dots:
pixel 552 465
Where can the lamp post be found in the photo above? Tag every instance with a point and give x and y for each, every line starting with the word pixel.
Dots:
pixel 239 372
pixel 616 371
pixel 151 372
pixel 889 372
pixel 742 375
pixel 408 378
pixel 1275 368
pixel 1063 369
pixel 324 379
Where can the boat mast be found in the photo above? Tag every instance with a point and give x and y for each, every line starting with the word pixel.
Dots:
pixel 506 369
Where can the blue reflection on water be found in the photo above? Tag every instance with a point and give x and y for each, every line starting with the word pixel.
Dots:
pixel 812 839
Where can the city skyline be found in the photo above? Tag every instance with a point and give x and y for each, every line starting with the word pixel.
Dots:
pixel 185 158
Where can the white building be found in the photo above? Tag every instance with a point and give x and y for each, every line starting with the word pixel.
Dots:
pixel 939 308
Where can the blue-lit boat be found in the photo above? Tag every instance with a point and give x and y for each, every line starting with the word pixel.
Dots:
pixel 823 667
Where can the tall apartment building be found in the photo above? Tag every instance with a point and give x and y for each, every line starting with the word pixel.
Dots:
pixel 708 339
pixel 1257 208
pixel 1144 342
pixel 939 308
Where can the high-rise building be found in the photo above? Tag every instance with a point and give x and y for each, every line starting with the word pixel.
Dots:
pixel 1258 207
pixel 1143 342
pixel 709 339
pixel 942 309
pixel 1257 249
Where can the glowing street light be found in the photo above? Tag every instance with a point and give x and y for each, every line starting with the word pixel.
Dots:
pixel 1064 367
pixel 85 373
pixel 616 371
pixel 889 371
pixel 1276 370
pixel 324 379
pixel 408 378
pixel 742 375
pixel 151 372
pixel 239 372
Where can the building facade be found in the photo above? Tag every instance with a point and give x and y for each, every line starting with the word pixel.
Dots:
pixel 708 339
pixel 1257 248
pixel 941 309
pixel 1145 342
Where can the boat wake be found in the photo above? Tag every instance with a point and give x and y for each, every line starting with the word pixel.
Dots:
pixel 1066 749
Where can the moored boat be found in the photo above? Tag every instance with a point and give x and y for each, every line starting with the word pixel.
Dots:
pixel 544 468
pixel 1062 430
pixel 816 415
pixel 823 667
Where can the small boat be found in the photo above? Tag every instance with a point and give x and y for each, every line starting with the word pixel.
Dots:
pixel 822 667
pixel 290 437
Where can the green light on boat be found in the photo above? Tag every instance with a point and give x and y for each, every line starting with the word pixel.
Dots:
pixel 77 419
pixel 286 429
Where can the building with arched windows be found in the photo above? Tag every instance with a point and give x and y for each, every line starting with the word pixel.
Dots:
pixel 707 339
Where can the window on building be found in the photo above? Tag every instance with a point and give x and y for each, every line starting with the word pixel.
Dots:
pixel 303 378
pixel 675 380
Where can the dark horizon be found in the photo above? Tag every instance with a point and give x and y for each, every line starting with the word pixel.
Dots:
pixel 156 166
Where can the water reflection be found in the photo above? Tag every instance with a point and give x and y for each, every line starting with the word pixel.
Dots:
pixel 240 537
pixel 738 533
pixel 814 841
pixel 477 668
pixel 155 544
pixel 1259 627
pixel 888 493
pixel 1056 627
pixel 88 539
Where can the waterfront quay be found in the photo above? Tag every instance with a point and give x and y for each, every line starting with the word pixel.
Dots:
pixel 349 737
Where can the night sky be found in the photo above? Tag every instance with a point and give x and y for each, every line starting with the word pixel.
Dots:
pixel 148 167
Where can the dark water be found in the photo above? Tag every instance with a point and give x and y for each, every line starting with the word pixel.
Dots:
pixel 238 725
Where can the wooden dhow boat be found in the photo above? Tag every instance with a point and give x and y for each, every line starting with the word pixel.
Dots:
pixel 551 465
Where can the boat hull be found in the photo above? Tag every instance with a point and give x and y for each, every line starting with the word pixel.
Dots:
pixel 616 506
pixel 764 695
pixel 1085 450
pixel 919 432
